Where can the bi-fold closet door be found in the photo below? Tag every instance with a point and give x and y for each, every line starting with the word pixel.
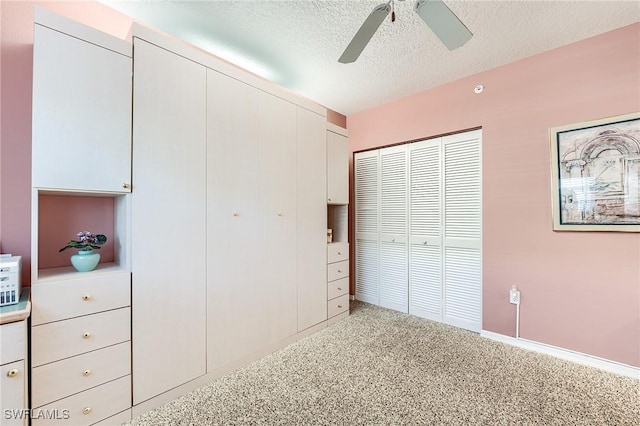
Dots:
pixel 418 228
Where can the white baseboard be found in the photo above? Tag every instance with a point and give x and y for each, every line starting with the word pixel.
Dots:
pixel 566 354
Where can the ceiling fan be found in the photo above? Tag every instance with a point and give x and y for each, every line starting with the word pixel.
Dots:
pixel 442 21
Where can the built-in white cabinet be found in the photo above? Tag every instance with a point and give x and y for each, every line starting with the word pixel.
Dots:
pixel 418 228
pixel 312 175
pixel 13 373
pixel 338 265
pixel 81 325
pixel 81 135
pixel 168 220
pixel 337 165
pixel 265 219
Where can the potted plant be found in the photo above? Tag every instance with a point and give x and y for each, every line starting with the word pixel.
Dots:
pixel 85 260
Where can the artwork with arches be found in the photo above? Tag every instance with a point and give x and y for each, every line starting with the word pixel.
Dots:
pixel 595 172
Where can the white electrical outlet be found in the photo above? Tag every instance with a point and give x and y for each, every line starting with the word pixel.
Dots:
pixel 514 296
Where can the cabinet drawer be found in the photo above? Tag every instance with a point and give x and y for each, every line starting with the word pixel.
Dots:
pixel 63 339
pixel 338 305
pixel 60 300
pixel 13 338
pixel 88 407
pixel 59 379
pixel 337 252
pixel 337 270
pixel 337 288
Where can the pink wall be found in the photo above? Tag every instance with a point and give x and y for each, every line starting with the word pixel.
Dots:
pixel 580 290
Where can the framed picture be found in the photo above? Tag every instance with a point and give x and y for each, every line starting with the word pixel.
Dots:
pixel 595 175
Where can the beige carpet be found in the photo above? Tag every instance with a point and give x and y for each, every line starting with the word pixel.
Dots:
pixel 381 367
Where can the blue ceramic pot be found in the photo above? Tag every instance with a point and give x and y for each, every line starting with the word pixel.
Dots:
pixel 85 260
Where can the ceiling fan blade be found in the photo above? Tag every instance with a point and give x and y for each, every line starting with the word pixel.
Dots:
pixel 443 22
pixel 364 34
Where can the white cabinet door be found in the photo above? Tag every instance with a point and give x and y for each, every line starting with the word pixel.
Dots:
pixel 425 242
pixel 168 221
pixel 462 230
pixel 277 195
pixel 234 239
pixel 312 219
pixel 367 206
pixel 13 390
pixel 393 228
pixel 81 115
pixel 337 168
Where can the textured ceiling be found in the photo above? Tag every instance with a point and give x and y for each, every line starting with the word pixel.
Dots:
pixel 297 43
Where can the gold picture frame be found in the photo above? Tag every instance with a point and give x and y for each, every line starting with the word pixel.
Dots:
pixel 595 175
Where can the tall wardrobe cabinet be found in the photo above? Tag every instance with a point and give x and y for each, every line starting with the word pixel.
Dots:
pixel 168 220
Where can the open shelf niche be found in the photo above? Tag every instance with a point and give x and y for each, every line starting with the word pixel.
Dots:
pixel 57 216
pixel 337 222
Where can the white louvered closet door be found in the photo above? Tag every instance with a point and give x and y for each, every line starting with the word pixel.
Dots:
pixel 425 230
pixel 393 228
pixel 462 230
pixel 367 183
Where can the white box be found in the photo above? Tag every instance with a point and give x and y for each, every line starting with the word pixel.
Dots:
pixel 10 279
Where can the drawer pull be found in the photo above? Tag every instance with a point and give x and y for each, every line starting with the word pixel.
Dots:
pixel 86 335
pixel 425 243
pixel 86 297
pixel 339 289
pixel 236 214
pixel 86 410
pixel 280 214
pixel 86 373
pixel 328 199
pixel 339 271
pixel 339 253
pixel 339 306
pixel 126 186
pixel 12 373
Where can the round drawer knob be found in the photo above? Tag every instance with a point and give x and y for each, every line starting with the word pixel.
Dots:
pixel 126 186
pixel 86 297
pixel 339 289
pixel 86 373
pixel 86 410
pixel 339 271
pixel 12 373
pixel 339 253
pixel 236 214
pixel 339 306
pixel 86 335
pixel 280 214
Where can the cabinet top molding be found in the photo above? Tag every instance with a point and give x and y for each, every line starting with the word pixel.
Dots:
pixel 184 49
pixel 337 129
pixel 60 23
